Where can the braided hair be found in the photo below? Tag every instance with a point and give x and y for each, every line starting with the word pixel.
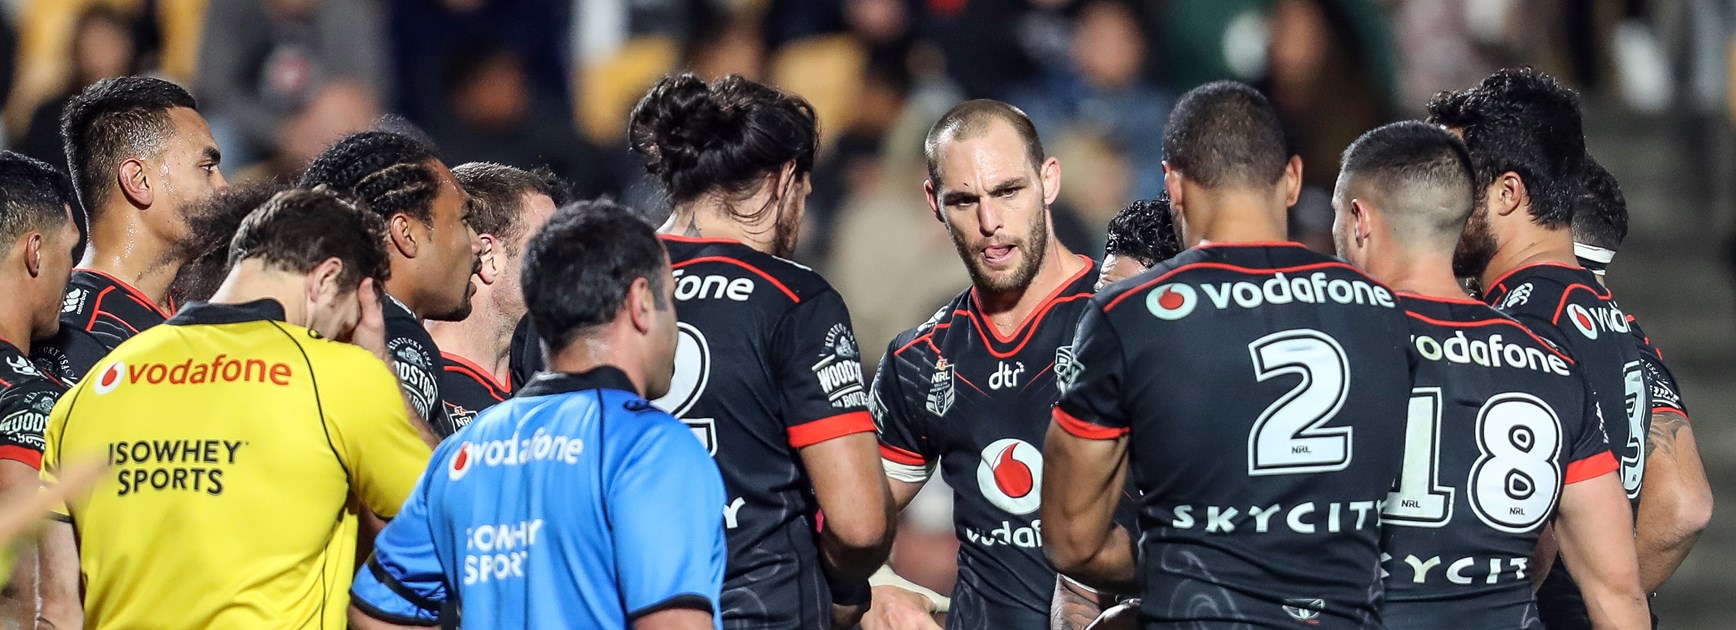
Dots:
pixel 384 171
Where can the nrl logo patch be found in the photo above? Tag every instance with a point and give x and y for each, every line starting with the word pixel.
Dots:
pixel 940 388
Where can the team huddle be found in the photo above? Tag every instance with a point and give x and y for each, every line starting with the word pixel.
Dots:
pixel 397 393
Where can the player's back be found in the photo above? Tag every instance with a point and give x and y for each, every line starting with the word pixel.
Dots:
pixel 229 504
pixel 1263 386
pixel 766 364
pixel 97 313
pixel 1499 422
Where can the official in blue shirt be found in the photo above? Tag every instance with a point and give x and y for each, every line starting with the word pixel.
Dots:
pixel 575 504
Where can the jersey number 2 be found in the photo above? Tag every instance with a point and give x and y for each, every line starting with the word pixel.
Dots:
pixel 692 372
pixel 1288 437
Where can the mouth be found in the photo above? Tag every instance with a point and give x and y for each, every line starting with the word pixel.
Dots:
pixel 999 255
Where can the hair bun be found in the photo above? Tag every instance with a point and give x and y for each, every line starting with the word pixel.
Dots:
pixel 674 121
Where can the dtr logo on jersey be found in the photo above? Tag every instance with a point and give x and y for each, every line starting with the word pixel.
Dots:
pixel 1010 475
pixel 1581 319
pixel 1171 301
pixel 461 462
pixel 1006 375
pixel 111 377
pixel 940 393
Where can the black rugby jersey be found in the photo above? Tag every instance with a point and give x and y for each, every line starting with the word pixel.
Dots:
pixel 466 389
pixel 766 364
pixel 956 392
pixel 1262 389
pixel 413 359
pixel 1499 422
pixel 27 395
pixel 97 314
pixel 1665 393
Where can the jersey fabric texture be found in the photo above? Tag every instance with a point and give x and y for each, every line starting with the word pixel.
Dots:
pixel 1261 388
pixel 766 364
pixel 1500 421
pixel 1665 393
pixel 466 389
pixel 524 354
pixel 239 510
pixel 1566 305
pixel 27 396
pixel 97 314
pixel 956 393
pixel 574 505
pixel 414 359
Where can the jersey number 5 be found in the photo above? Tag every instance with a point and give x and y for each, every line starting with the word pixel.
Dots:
pixel 1289 438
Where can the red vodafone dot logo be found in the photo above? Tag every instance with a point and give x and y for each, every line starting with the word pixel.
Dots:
pixel 111 377
pixel 1010 475
pixel 1171 301
pixel 1581 319
pixel 461 463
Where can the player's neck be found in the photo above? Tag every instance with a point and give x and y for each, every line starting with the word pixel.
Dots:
pixel 1239 216
pixel 484 338
pixel 252 281
pixel 403 288
pixel 709 218
pixel 15 322
pixel 606 348
pixel 1423 273
pixel 1008 309
pixel 127 254
pixel 1537 245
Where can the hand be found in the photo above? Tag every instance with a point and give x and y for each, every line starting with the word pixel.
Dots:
pixel 370 332
pixel 1122 616
pixel 847 616
pixel 899 609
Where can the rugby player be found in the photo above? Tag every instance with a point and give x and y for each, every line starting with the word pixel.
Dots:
pixel 1250 384
pixel 768 374
pixel 141 160
pixel 968 392
pixel 1678 502
pixel 213 229
pixel 1502 427
pixel 38 234
pixel 1140 236
pixel 507 207
pixel 433 251
pixel 1523 132
pixel 242 511
pixel 614 521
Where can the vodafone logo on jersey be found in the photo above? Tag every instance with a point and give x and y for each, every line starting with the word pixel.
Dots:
pixel 1010 475
pixel 1592 321
pixel 461 463
pixel 1581 319
pixel 111 377
pixel 1171 301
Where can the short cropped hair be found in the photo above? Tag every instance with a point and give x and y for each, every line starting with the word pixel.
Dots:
pixel 971 119
pixel 1524 121
pixel 1225 133
pixel 497 196
pixel 1600 213
pixel 384 171
pixel 112 120
pixel 296 230
pixel 1145 232
pixel 1421 174
pixel 33 196
pixel 579 269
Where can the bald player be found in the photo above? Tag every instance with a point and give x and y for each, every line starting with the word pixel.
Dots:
pixel 1501 427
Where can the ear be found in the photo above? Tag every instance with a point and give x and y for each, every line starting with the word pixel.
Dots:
pixel 401 231
pixel 640 305
pixel 933 202
pixel 1362 224
pixel 322 283
pixel 492 261
pixel 1172 185
pixel 1292 180
pixel 1508 193
pixel 1051 174
pixel 33 254
pixel 135 184
pixel 786 179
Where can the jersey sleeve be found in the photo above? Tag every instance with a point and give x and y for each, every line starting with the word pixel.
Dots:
pixel 402 582
pixel 1588 455
pixel 905 450
pixel 70 353
pixel 24 410
pixel 819 372
pixel 370 429
pixel 1666 394
pixel 417 365
pixel 1090 405
pixel 665 499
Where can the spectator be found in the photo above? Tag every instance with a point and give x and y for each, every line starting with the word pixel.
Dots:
pixel 103 46
pixel 425 37
pixel 263 61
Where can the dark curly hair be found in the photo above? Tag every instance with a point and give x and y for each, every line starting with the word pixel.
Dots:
pixel 1600 212
pixel 1144 231
pixel 1225 133
pixel 296 230
pixel 579 270
pixel 384 171
pixel 1523 121
pixel 701 138
pixel 211 230
pixel 112 120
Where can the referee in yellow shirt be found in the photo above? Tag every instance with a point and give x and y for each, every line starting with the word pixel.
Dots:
pixel 242 439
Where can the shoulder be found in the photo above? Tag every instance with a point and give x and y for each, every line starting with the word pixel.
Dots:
pixel 1540 288
pixel 344 364
pixel 936 325
pixel 734 271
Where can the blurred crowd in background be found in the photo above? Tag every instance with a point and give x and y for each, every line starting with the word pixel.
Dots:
pixel 549 82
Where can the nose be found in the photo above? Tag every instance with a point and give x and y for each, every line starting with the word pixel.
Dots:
pixel 989 211
pixel 222 183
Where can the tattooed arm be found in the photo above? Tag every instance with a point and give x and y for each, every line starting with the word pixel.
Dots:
pixel 1076 606
pixel 1678 499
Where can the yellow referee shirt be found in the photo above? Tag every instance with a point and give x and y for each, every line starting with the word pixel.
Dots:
pixel 241 448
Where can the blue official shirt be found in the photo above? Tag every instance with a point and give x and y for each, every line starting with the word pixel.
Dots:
pixel 574 504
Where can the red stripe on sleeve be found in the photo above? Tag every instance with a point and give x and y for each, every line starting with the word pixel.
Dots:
pixel 818 431
pixel 900 456
pixel 1590 468
pixel 1658 410
pixel 1082 429
pixel 29 456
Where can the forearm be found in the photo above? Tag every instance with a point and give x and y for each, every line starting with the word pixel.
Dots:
pixel 1075 606
pixel 1111 568
pixel 58 583
pixel 18 596
pixel 1678 500
pixel 856 503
